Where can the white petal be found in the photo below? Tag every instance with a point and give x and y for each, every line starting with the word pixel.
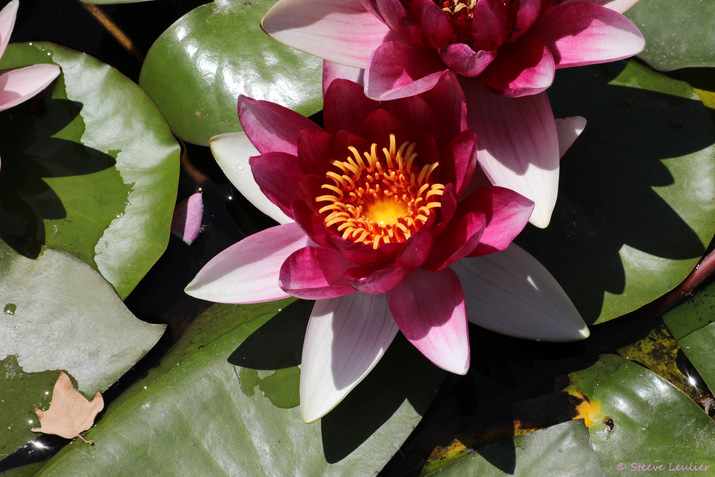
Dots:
pixel 345 339
pixel 232 152
pixel 248 271
pixel 568 130
pixel 517 145
pixel 511 293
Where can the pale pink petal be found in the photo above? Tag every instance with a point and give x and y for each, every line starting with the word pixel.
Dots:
pixel 511 293
pixel 517 145
pixel 247 272
pixel 463 60
pixel 522 68
pixel 342 31
pixel 7 22
pixel 333 71
pixel 187 219
pixel 315 273
pixel 22 84
pixel 568 130
pixel 429 309
pixel 345 339
pixel 618 5
pixel 272 127
pixel 583 33
pixel 398 70
pixel 232 151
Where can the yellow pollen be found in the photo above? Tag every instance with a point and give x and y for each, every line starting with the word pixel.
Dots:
pixel 377 199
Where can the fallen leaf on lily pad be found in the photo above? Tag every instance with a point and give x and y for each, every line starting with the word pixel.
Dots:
pixel 70 413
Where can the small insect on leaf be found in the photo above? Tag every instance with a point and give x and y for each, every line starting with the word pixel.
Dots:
pixel 70 413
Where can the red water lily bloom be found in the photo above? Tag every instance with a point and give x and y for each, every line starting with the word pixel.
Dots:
pixel 19 85
pixel 381 227
pixel 508 47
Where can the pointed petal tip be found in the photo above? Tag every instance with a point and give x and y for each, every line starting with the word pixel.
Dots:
pixel 309 416
pixel 539 218
pixel 585 332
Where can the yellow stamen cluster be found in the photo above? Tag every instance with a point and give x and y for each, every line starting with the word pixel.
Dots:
pixel 455 6
pixel 379 200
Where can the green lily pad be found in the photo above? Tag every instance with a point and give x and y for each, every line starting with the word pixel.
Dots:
pixel 59 314
pixel 693 314
pixel 636 204
pixel 698 347
pixel 221 403
pixel 198 67
pixel 638 418
pixel 678 34
pixel 692 324
pixel 90 167
pixel 563 449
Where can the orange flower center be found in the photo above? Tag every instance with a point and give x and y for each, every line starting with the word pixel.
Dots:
pixel 378 199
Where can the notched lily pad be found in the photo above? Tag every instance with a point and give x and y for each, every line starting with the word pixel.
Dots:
pixel 90 167
pixel 678 34
pixel 65 316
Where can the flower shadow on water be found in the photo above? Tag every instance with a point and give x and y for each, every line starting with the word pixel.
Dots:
pixel 402 374
pixel 617 188
pixel 35 162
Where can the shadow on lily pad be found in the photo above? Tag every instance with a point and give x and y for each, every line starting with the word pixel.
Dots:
pixel 635 202
pixel 402 375
pixel 41 163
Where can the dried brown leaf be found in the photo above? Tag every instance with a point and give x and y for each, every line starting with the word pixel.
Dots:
pixel 70 413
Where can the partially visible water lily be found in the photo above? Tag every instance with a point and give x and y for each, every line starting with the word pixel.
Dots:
pixel 508 47
pixel 384 224
pixel 20 84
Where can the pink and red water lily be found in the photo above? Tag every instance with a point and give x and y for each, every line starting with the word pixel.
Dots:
pixel 384 223
pixel 508 47
pixel 19 85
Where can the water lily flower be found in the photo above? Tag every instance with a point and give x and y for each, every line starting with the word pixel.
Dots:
pixel 378 226
pixel 505 51
pixel 19 85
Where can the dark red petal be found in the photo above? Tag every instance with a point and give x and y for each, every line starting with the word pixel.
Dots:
pixel 459 161
pixel 376 280
pixel 315 273
pixel 271 127
pixel 345 107
pixel 278 175
pixel 507 215
pixel 489 24
pixel 396 17
pixel 458 240
pixel 436 28
pixel 522 68
pixel 398 70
